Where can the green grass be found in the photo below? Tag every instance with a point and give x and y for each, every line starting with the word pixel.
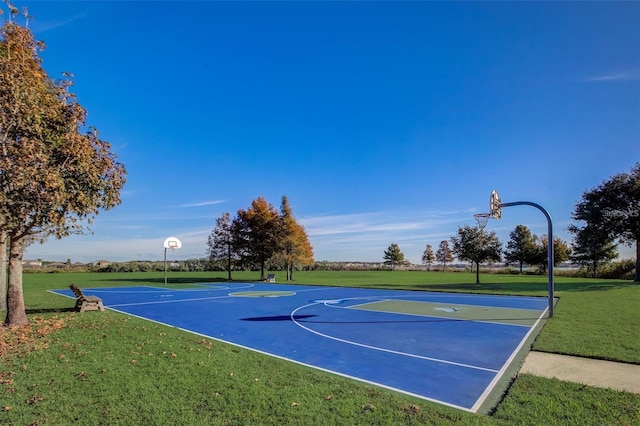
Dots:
pixel 109 368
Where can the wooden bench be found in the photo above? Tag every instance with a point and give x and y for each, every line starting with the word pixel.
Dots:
pixel 86 303
pixel 271 278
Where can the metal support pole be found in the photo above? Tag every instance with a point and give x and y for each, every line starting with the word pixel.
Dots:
pixel 549 245
pixel 165 266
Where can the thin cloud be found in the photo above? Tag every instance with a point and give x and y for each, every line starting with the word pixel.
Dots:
pixel 387 223
pixel 618 76
pixel 38 26
pixel 201 204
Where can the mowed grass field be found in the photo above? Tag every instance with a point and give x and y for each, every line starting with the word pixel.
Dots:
pixel 109 368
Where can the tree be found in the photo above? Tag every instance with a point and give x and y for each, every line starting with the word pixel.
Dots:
pixel 220 243
pixel 428 257
pixel 592 247
pixel 521 247
pixel 257 234
pixel 54 177
pixel 561 252
pixel 296 251
pixel 444 254
pixel 3 270
pixel 393 256
pixel 476 245
pixel 614 207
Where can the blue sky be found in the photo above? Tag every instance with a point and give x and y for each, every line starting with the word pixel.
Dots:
pixel 381 122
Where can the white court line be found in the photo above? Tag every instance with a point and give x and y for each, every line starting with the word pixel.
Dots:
pixel 360 379
pixel 506 365
pixel 376 348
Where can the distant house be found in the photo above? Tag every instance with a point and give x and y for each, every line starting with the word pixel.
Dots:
pixel 32 263
pixel 100 263
pixel 57 265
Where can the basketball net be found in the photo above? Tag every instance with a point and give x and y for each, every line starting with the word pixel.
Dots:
pixel 482 219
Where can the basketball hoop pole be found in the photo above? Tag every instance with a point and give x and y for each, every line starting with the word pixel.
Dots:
pixel 165 266
pixel 549 244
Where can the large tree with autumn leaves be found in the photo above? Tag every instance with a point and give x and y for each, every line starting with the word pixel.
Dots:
pixel 261 236
pixel 295 249
pixel 56 175
pixel 257 234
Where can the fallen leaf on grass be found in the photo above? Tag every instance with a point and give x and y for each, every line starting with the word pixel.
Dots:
pixel 411 409
pixel 34 399
pixel 7 408
pixel 295 404
pixel 6 381
pixel 368 407
pixel 328 397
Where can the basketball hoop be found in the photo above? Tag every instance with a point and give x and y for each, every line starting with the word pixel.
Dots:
pixel 170 243
pixel 482 219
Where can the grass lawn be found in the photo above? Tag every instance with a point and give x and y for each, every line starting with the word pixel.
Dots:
pixel 109 368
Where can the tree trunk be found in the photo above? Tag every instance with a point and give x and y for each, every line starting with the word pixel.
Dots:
pixel 3 271
pixel 16 313
pixel 477 272
pixel 521 262
pixel 636 278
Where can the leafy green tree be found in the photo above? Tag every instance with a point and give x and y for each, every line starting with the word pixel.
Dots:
pixel 521 247
pixel 257 234
pixel 393 256
pixel 614 207
pixel 444 254
pixel 476 245
pixel 55 177
pixel 592 247
pixel 221 244
pixel 561 252
pixel 428 257
pixel 295 249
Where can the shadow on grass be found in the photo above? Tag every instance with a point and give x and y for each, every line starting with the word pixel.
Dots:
pixel 49 310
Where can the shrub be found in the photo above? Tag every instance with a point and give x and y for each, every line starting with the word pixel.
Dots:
pixel 622 270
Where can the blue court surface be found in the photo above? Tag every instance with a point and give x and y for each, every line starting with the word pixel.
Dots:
pixel 449 348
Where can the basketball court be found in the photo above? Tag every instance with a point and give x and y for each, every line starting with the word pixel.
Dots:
pixel 448 348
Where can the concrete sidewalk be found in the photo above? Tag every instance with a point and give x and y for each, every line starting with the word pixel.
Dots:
pixel 592 372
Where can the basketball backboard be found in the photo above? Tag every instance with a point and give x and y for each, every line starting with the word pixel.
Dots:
pixel 172 243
